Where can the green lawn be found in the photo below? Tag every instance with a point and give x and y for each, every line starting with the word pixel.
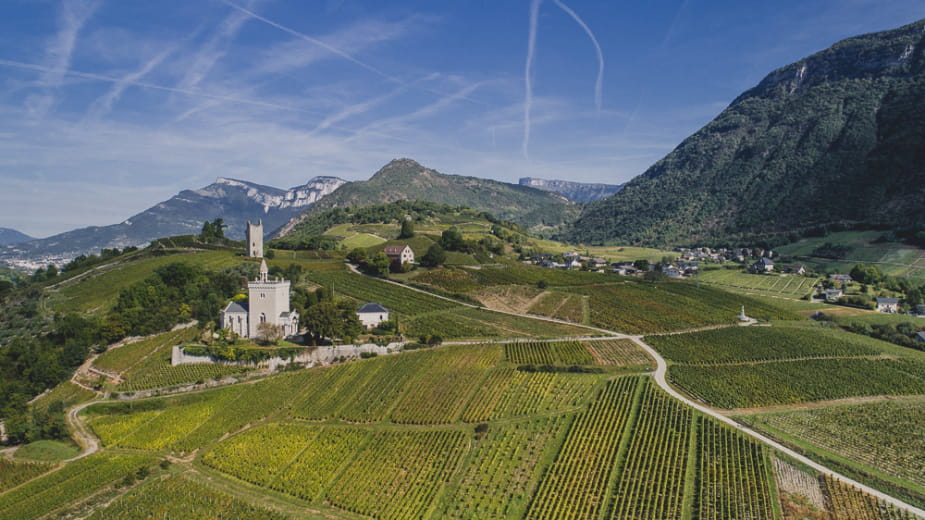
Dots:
pixel 48 451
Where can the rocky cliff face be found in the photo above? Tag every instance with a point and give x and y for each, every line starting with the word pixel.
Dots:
pixel 838 137
pixel 577 191
pixel 233 200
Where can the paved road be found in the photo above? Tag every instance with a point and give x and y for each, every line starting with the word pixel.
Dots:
pixel 91 444
pixel 662 369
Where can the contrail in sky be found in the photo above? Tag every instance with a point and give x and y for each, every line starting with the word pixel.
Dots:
pixel 528 73
pixel 599 85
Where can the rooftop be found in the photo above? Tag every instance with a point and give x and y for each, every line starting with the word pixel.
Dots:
pixel 373 307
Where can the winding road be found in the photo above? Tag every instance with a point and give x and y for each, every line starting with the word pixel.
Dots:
pixel 90 443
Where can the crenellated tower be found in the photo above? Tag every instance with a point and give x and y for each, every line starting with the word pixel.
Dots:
pixel 254 238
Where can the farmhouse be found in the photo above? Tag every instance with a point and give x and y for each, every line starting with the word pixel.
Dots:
pixel 840 278
pixel 833 294
pixel 268 302
pixel 400 254
pixel 372 314
pixel 888 305
pixel 796 269
pixel 763 265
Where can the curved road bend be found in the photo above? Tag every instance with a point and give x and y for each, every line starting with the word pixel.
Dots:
pixel 662 369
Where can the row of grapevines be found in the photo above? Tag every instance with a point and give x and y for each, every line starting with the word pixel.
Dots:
pixel 849 503
pixel 548 353
pixel 178 497
pixel 259 454
pixel 479 323
pixel 398 474
pixel 14 473
pixel 507 392
pixel 441 393
pixel 372 400
pixel 156 372
pixel 618 353
pixel 393 297
pixel 733 474
pixel 69 485
pixel 785 382
pixel 887 436
pixel 122 358
pixel 576 483
pixel 760 344
pixel 320 462
pixel 503 473
pixel 651 480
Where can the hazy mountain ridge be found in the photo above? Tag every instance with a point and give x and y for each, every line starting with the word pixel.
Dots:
pixel 577 191
pixel 835 137
pixel 405 179
pixel 12 236
pixel 233 200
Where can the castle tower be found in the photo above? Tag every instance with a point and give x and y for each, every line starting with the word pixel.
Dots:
pixel 254 238
pixel 268 301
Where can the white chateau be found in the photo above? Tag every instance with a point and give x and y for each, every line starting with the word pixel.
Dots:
pixel 254 239
pixel 268 301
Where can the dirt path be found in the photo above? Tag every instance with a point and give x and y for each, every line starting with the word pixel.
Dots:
pixel 82 433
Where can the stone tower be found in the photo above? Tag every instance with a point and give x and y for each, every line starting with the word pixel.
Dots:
pixel 254 239
pixel 268 300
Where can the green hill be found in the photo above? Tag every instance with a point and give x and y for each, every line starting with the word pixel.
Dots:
pixel 405 179
pixel 837 137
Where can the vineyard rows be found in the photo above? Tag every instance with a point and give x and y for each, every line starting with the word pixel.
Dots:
pixel 398 474
pixel 576 483
pixel 478 323
pixel 320 462
pixel 178 497
pixel 797 482
pixel 760 344
pixel 787 382
pixel 568 307
pixel 14 473
pixel 638 308
pixel 156 372
pixel 651 482
pixel 395 298
pixel 122 358
pixel 548 353
pixel 504 471
pixel 259 454
pixel 618 353
pixel 789 286
pixel 887 436
pixel 733 475
pixel 849 503
pixel 67 486
pixel 507 392
pixel 441 393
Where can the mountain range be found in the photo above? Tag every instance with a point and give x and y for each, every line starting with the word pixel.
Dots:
pixel 405 179
pixel 838 137
pixel 232 200
pixel 577 191
pixel 11 236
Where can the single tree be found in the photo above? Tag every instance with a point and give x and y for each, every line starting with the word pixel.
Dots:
pixel 407 229
pixel 434 256
pixel 323 320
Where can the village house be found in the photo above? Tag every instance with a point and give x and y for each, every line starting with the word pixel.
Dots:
pixel 763 265
pixel 400 254
pixel 833 294
pixel 840 278
pixel 888 305
pixel 372 314
pixel 267 302
pixel 795 269
pixel 672 272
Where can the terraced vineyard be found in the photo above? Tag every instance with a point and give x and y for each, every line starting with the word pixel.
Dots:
pixel 887 436
pixel 365 289
pixel 478 323
pixel 14 473
pixel 554 353
pixel 787 382
pixel 762 344
pixel 511 393
pixel 122 358
pixel 563 306
pixel 576 484
pixel 179 497
pixel 67 486
pixel 156 372
pixel 639 308
pixel 509 457
pixel 733 472
pixel 788 286
pixel 619 353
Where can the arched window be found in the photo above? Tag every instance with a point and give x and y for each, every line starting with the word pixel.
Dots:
pixel 263 318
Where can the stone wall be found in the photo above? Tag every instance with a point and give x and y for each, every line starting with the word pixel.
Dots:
pixel 314 357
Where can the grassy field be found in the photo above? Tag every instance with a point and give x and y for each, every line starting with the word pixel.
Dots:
pixel 891 257
pixel 47 451
pixel 98 290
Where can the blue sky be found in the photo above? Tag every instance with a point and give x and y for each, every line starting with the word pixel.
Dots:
pixel 110 106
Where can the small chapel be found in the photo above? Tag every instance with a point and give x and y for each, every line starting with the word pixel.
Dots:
pixel 268 301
